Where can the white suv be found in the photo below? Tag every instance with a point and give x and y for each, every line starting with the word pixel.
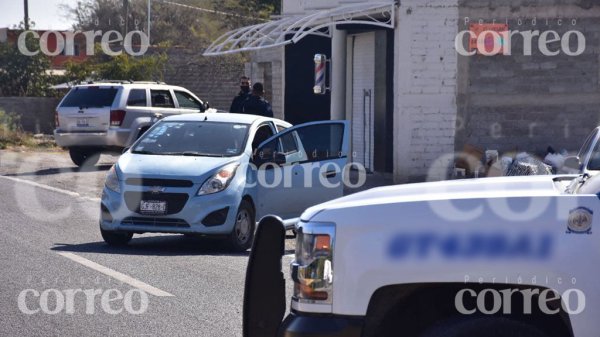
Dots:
pixel 97 117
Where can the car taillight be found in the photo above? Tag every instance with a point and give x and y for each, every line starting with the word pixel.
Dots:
pixel 117 117
pixel 312 270
pixel 56 122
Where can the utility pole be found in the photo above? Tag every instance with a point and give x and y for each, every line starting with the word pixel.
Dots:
pixel 126 14
pixel 149 43
pixel 27 14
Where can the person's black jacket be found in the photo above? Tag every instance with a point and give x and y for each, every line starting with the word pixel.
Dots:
pixel 256 105
pixel 238 102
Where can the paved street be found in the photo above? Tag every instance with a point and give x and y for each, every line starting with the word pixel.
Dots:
pixel 49 239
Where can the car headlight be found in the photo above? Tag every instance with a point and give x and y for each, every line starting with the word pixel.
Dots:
pixel 312 270
pixel 112 180
pixel 219 181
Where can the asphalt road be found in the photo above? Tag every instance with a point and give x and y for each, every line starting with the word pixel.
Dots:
pixel 50 245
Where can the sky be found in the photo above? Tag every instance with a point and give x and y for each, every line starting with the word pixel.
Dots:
pixel 46 14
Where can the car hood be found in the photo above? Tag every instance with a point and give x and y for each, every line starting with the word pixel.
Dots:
pixel 196 169
pixel 446 190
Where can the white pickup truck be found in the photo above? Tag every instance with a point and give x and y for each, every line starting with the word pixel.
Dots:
pixel 514 256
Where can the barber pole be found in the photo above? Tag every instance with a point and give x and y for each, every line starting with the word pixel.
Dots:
pixel 320 87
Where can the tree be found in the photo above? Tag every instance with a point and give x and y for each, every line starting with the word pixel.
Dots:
pixel 188 23
pixel 23 75
pixel 121 67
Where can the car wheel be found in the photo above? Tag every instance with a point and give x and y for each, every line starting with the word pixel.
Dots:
pixel 242 235
pixel 484 327
pixel 84 157
pixel 116 238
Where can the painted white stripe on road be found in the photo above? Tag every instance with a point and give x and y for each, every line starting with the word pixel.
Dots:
pixel 117 275
pixel 50 188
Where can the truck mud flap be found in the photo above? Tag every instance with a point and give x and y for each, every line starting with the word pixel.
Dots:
pixel 264 292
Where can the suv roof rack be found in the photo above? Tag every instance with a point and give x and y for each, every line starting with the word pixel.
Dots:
pixel 122 82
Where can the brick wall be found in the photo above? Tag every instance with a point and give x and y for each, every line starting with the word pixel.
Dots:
pixel 425 89
pixel 527 103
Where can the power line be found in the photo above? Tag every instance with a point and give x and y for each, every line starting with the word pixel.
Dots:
pixel 212 11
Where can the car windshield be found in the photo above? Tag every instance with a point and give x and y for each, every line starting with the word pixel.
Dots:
pixel 90 97
pixel 209 139
pixel 594 162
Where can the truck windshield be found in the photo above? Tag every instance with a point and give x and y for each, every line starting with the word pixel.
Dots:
pixel 203 139
pixel 90 97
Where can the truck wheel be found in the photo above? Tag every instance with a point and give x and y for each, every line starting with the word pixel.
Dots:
pixel 84 156
pixel 483 327
pixel 242 235
pixel 116 238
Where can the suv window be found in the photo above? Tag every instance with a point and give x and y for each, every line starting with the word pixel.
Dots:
pixel 162 99
pixel 186 101
pixel 137 97
pixel 90 97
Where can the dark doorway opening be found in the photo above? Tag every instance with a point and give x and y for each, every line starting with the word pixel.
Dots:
pixel 301 104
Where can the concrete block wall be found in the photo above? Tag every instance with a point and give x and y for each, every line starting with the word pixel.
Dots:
pixel 425 89
pixel 214 79
pixel 267 66
pixel 527 103
pixel 36 113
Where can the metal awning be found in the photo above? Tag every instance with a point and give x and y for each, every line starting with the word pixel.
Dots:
pixel 292 29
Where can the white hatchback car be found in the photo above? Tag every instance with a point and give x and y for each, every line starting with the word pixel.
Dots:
pixel 96 117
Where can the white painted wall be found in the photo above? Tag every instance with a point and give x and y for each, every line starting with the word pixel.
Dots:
pixel 425 89
pixel 363 70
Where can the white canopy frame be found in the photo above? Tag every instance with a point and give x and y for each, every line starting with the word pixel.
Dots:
pixel 292 29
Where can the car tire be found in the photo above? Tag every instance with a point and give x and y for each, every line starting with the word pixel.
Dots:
pixel 482 327
pixel 242 235
pixel 113 238
pixel 83 157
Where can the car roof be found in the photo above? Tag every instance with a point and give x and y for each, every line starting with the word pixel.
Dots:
pixel 224 117
pixel 158 85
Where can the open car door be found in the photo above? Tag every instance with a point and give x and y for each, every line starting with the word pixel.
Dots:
pixel 301 167
pixel 264 291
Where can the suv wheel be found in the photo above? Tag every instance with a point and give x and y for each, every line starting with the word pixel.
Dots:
pixel 242 235
pixel 84 156
pixel 116 238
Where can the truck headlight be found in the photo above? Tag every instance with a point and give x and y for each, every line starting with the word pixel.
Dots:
pixel 312 270
pixel 112 180
pixel 219 181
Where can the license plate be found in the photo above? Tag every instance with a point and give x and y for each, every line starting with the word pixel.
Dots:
pixel 82 122
pixel 153 207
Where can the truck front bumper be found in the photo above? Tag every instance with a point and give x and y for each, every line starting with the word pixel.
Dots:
pixel 299 325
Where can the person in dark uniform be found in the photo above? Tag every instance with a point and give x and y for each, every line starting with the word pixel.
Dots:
pixel 256 104
pixel 244 94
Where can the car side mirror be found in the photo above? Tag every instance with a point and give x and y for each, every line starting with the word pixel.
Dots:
pixel 205 106
pixel 573 163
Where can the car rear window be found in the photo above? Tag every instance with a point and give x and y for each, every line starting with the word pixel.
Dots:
pixel 90 97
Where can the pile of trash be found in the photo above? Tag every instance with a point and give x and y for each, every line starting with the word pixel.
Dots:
pixel 475 163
